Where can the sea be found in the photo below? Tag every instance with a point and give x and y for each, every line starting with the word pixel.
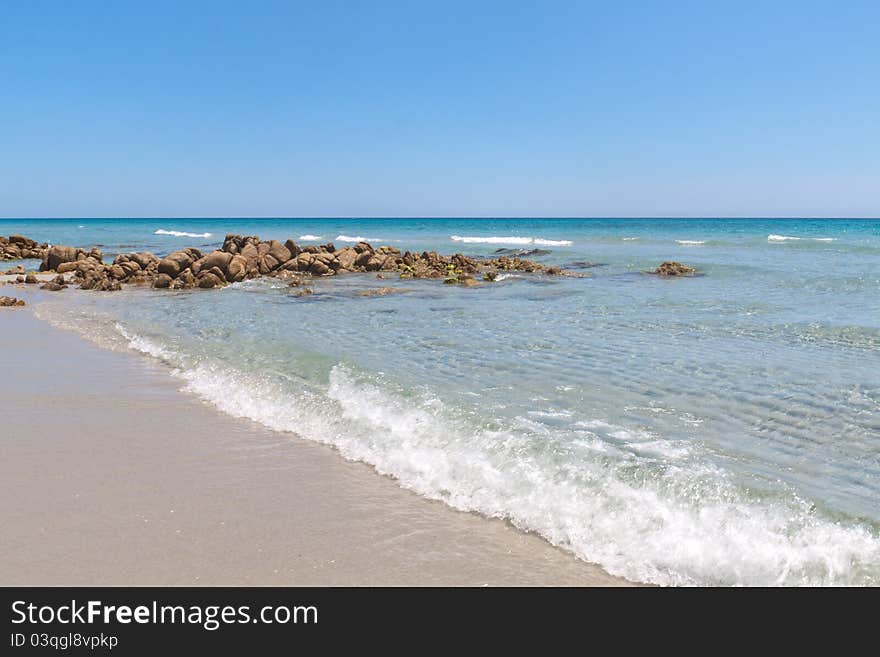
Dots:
pixel 721 429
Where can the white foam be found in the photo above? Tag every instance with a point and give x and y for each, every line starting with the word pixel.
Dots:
pixel 641 506
pixel 509 240
pixel 309 238
pixel 789 238
pixel 349 238
pixel 690 242
pixel 630 239
pixel 180 233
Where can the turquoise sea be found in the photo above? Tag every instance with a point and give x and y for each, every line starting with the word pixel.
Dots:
pixel 721 429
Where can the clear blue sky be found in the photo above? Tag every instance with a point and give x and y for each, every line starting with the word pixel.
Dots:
pixel 156 108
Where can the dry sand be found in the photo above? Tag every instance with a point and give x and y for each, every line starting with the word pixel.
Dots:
pixel 111 476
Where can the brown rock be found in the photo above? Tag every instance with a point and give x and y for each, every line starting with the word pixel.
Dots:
pixel 11 302
pixel 671 268
pixel 162 281
pixel 31 279
pixel 208 280
pixel 236 270
pixel 175 263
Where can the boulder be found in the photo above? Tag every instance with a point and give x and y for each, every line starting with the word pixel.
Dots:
pixel 279 252
pixel 57 255
pixel 175 263
pixel 31 279
pixel 236 270
pixel 162 281
pixel 207 280
pixel 671 268
pixel 11 302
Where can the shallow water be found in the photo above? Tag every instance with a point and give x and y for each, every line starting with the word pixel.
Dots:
pixel 722 429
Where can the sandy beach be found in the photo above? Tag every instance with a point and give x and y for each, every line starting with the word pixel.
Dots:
pixel 112 476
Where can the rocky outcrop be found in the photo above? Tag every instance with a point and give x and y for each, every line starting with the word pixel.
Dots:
pixel 670 268
pixel 10 302
pixel 18 247
pixel 245 257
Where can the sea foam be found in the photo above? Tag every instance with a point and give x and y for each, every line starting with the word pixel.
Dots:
pixel 643 507
pixel 790 238
pixel 179 233
pixel 510 240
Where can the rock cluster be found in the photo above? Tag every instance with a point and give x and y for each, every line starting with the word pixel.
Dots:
pixel 246 257
pixel 670 268
pixel 17 247
pixel 8 302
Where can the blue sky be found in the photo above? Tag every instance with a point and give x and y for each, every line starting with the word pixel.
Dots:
pixel 439 108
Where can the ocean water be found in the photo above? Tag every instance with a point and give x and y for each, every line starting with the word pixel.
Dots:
pixel 721 429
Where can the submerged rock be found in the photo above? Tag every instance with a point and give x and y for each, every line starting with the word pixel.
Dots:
pixel 380 291
pixel 10 302
pixel 671 268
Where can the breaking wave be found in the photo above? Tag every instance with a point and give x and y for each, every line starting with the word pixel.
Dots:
pixel 180 233
pixel 644 507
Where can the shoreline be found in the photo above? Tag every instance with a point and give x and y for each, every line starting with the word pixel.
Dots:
pixel 203 498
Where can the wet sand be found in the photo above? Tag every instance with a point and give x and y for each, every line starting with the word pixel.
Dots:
pixel 111 476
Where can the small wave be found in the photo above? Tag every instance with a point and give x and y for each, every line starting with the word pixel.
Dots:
pixel 509 240
pixel 180 233
pixel 630 239
pixel 310 238
pixel 789 238
pixel 643 506
pixel 349 238
pixel 690 242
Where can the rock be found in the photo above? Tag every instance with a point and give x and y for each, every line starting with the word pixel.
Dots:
pixel 280 252
pixel 490 276
pixel 11 302
pixel 57 255
pixel 467 281
pixel 345 259
pixel 553 271
pixel 175 263
pixel 52 286
pixel 31 279
pixel 19 279
pixel 186 280
pixel 218 259
pixel 236 270
pixel 303 292
pixel 291 246
pixel 162 281
pixel 66 267
pixel 18 269
pixel 671 268
pixel 380 292
pixel 208 280
pixel 318 268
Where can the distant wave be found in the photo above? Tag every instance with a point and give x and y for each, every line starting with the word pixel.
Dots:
pixel 349 238
pixel 510 240
pixel 630 239
pixel 180 233
pixel 788 238
pixel 309 238
pixel 690 242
